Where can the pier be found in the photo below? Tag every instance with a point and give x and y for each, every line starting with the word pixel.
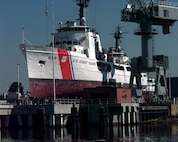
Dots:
pixel 82 112
pixel 36 114
pixel 101 107
pixel 109 114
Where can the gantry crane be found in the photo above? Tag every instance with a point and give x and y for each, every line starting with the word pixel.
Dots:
pixel 148 13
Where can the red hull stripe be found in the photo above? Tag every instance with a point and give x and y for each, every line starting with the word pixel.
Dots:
pixel 68 88
pixel 65 65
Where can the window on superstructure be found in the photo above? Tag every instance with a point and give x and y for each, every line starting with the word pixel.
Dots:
pixel 86 52
pixel 119 68
pixel 76 42
pixel 69 42
pixel 73 29
pixel 128 68
pixel 64 42
pixel 117 60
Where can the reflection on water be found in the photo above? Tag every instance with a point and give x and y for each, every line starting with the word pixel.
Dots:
pixel 162 132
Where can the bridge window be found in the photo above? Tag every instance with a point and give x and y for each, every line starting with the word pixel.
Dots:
pixel 76 42
pixel 69 42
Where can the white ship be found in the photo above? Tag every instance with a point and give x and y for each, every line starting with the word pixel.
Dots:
pixel 75 60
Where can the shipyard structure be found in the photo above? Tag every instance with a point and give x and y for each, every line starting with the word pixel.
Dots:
pixel 75 83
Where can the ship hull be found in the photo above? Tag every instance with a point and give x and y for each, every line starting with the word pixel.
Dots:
pixel 72 72
pixel 63 88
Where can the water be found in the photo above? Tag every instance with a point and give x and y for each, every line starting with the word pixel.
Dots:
pixel 162 132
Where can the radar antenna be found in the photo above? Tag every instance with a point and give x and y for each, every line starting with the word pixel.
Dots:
pixel 82 4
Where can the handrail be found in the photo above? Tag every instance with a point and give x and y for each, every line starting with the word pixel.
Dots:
pixel 166 3
pixel 98 101
pixel 67 101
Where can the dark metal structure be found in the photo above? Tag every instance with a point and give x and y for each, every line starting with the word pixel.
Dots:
pixel 148 13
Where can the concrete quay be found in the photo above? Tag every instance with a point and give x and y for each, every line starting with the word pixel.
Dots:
pixel 36 115
pixel 106 114
pixel 83 112
pixel 122 114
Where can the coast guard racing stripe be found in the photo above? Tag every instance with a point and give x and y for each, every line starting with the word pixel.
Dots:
pixel 65 64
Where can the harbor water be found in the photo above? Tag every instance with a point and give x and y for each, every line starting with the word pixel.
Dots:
pixel 153 132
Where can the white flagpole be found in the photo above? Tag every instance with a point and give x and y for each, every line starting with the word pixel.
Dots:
pixel 54 82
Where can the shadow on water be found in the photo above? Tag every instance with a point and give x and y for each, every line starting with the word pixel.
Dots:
pixel 159 132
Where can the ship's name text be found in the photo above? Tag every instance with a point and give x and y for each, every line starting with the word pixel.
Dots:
pixel 83 61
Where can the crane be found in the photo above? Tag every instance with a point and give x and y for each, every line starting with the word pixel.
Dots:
pixel 148 13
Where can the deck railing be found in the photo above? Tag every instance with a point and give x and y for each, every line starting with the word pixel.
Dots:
pixel 166 3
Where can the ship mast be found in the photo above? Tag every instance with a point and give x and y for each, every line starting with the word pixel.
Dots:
pixel 82 4
pixel 118 35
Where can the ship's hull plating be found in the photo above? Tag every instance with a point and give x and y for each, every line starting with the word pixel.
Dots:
pixel 63 88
